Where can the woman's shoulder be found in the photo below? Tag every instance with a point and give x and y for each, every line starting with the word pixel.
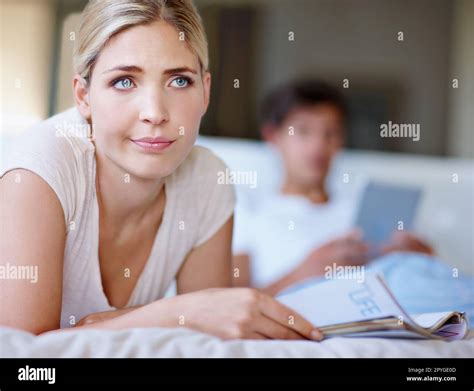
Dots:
pixel 62 138
pixel 57 151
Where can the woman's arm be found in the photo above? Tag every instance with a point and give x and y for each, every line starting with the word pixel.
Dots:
pixel 223 312
pixel 241 270
pixel 209 265
pixel 226 313
pixel 32 240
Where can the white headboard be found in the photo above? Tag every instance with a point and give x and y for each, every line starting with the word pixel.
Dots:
pixel 446 216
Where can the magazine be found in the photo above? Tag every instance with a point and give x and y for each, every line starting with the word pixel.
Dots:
pixel 367 308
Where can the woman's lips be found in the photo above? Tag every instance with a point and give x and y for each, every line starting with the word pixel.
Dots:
pixel 153 144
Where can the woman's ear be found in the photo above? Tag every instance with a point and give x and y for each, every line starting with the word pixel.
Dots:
pixel 206 82
pixel 81 96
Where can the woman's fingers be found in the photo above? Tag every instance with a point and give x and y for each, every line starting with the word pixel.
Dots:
pixel 89 319
pixel 256 335
pixel 274 330
pixel 288 318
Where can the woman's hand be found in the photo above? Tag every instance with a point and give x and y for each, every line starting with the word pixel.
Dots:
pixel 228 313
pixel 101 316
pixel 231 313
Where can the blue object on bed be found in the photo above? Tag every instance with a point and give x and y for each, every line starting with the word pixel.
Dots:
pixel 421 283
pixel 424 284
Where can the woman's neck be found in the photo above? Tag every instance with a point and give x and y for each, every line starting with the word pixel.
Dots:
pixel 315 193
pixel 124 199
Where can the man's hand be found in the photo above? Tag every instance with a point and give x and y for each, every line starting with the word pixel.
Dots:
pixel 404 241
pixel 348 249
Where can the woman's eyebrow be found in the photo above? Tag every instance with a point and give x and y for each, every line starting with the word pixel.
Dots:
pixel 179 70
pixel 126 68
pixel 137 69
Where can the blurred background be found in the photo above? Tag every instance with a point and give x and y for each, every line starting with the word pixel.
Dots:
pixel 405 61
pixel 261 43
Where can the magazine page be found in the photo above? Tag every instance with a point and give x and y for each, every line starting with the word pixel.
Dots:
pixel 344 300
pixel 449 325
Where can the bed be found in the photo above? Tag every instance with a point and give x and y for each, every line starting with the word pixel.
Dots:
pixel 181 342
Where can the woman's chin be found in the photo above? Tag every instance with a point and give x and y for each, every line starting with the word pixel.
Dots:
pixel 149 172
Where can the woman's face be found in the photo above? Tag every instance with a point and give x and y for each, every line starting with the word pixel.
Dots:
pixel 145 100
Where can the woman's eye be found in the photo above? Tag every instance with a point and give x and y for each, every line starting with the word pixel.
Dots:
pixel 123 84
pixel 180 82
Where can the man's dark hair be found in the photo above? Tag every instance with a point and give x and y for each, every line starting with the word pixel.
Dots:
pixel 278 104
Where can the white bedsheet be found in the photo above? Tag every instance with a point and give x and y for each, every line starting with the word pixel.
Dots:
pixel 187 343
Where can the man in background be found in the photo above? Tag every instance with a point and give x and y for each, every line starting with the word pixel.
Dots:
pixel 301 229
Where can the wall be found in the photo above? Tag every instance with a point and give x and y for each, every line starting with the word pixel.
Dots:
pixel 461 115
pixel 353 39
pixel 27 29
pixel 358 40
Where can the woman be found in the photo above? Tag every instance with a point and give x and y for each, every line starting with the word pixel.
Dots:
pixel 133 206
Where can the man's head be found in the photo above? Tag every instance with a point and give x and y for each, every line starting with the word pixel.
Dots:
pixel 306 122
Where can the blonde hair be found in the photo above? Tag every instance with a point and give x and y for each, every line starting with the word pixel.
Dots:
pixel 101 19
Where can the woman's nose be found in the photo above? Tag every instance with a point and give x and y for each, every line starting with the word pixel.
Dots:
pixel 154 110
